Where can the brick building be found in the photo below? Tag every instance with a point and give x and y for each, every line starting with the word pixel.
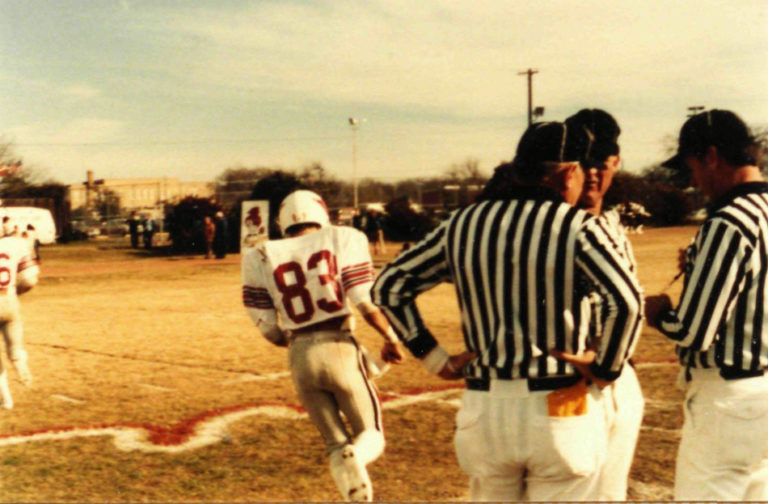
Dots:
pixel 136 193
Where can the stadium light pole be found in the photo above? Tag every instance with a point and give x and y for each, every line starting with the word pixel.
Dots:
pixel 355 123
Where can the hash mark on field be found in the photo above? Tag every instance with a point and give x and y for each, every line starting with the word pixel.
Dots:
pixel 654 364
pixel 156 387
pixel 665 430
pixel 253 377
pixel 662 403
pixel 67 399
pixel 204 429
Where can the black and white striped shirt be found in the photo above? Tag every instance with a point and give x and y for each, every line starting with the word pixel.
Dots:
pixel 610 222
pixel 515 265
pixel 722 318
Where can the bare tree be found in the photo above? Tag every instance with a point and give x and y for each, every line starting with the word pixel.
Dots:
pixel 235 184
pixel 15 177
pixel 108 203
pixel 332 190
pixel 467 172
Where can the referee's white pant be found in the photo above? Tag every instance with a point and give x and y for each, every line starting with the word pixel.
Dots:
pixel 723 454
pixel 624 416
pixel 513 450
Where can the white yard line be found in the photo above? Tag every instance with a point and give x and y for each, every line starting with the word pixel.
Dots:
pixel 156 387
pixel 643 365
pixel 665 430
pixel 67 399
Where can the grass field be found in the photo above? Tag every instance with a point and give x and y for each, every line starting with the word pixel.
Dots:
pixel 152 385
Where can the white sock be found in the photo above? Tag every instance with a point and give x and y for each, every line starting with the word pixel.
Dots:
pixel 5 391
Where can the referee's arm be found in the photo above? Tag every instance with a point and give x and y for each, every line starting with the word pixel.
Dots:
pixel 711 288
pixel 621 295
pixel 423 266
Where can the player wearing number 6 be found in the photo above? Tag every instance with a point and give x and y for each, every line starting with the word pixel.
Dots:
pixel 298 292
pixel 18 274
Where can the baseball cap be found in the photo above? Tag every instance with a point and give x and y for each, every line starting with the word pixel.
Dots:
pixel 603 127
pixel 719 128
pixel 553 142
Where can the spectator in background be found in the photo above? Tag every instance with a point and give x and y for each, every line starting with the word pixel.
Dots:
pixel 221 236
pixel 133 229
pixel 374 230
pixel 209 232
pixel 149 230
pixel 34 243
pixel 359 220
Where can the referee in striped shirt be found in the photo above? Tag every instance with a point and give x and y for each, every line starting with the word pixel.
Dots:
pixel 721 322
pixel 624 397
pixel 515 260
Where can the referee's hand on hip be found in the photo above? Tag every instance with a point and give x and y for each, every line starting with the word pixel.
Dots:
pixel 655 305
pixel 454 366
pixel 581 362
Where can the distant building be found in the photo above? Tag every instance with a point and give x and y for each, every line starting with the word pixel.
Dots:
pixel 135 193
pixel 450 196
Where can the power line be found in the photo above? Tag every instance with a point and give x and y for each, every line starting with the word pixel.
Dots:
pixel 174 142
pixel 435 131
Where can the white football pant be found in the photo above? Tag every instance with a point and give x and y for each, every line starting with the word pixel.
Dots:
pixel 624 416
pixel 512 450
pixel 723 454
pixel 331 380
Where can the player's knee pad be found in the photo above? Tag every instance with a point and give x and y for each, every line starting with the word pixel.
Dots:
pixel 369 445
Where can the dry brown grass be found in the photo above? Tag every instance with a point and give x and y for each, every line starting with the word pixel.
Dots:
pixel 120 337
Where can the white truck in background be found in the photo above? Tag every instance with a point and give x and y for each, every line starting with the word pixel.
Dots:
pixel 40 218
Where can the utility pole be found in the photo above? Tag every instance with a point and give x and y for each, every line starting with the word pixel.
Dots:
pixel 692 111
pixel 355 123
pixel 530 73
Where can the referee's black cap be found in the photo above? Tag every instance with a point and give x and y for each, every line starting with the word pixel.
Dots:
pixel 554 142
pixel 550 142
pixel 603 127
pixel 719 128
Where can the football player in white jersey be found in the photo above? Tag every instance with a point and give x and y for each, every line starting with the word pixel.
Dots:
pixel 18 273
pixel 298 291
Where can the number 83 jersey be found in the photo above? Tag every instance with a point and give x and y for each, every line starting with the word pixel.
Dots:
pixel 307 279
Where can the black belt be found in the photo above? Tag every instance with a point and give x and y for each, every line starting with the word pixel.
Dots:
pixel 534 384
pixel 731 373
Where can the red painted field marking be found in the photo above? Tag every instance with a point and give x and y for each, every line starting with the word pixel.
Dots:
pixel 210 427
pixel 206 428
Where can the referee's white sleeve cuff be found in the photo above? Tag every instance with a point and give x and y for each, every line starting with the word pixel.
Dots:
pixel 435 360
pixel 391 336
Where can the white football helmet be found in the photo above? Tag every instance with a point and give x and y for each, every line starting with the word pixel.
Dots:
pixel 302 207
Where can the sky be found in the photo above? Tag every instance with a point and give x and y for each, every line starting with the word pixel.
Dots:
pixel 190 88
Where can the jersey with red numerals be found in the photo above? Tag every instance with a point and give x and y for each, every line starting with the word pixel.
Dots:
pixel 15 261
pixel 307 279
